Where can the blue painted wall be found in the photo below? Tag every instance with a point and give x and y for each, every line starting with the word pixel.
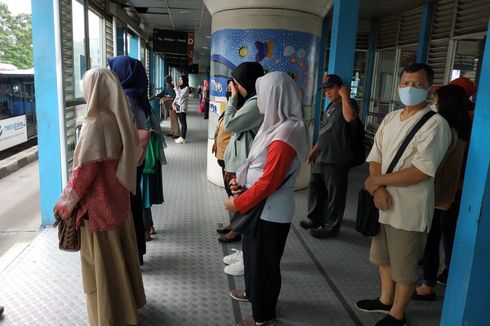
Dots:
pixel 43 37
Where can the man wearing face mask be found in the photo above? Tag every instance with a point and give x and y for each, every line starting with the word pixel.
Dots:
pixel 331 158
pixel 405 197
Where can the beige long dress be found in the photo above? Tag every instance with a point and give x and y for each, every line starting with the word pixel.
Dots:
pixel 111 275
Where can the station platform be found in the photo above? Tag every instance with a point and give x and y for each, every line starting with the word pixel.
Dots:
pixel 183 271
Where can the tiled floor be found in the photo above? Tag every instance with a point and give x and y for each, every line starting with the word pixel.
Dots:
pixel 183 271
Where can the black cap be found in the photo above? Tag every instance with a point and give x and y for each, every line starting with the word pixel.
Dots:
pixel 332 80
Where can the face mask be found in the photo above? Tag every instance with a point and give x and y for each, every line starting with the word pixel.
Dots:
pixel 412 96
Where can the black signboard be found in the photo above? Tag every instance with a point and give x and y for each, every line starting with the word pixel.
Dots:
pixel 167 41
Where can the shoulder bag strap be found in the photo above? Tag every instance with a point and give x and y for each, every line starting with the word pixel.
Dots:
pixel 408 139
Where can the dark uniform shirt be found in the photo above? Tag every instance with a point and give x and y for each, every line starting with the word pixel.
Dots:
pixel 334 143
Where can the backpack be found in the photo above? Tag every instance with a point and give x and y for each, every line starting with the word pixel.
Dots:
pixel 357 136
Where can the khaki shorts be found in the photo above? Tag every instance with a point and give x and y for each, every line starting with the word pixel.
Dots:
pixel 400 249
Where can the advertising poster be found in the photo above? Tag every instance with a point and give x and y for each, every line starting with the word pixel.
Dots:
pixel 13 131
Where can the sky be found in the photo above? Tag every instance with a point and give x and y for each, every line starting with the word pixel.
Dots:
pixel 18 6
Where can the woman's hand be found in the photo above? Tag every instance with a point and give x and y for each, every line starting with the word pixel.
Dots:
pixel 57 216
pixel 233 89
pixel 235 188
pixel 230 205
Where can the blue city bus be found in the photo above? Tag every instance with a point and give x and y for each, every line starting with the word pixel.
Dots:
pixel 17 98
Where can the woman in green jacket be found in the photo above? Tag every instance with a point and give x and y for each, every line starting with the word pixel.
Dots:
pixel 243 122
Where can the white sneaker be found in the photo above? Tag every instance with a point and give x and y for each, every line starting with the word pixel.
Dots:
pixel 235 269
pixel 233 258
pixel 180 140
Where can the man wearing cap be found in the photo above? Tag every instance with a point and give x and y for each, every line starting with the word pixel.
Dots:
pixel 330 159
pixel 168 95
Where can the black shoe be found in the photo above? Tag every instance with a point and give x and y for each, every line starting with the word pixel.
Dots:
pixel 169 135
pixel 224 239
pixel 442 278
pixel 223 230
pixel 324 232
pixel 424 297
pixel 374 305
pixel 309 224
pixel 389 320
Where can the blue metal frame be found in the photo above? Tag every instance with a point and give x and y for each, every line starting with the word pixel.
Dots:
pixel 468 289
pixel 370 71
pixel 424 34
pixel 47 106
pixel 321 70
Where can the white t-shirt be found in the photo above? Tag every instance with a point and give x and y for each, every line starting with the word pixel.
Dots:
pixel 413 206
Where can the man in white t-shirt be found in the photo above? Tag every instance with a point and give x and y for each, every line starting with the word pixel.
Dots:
pixel 404 197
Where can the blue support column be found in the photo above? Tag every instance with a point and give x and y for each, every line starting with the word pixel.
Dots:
pixel 49 104
pixel 370 71
pixel 424 34
pixel 343 40
pixel 321 70
pixel 468 289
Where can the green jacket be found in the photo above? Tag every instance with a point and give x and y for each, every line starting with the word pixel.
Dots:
pixel 243 124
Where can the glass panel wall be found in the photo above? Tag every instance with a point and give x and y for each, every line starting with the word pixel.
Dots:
pixel 96 41
pixel 79 60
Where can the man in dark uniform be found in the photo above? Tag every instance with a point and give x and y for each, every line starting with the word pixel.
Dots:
pixel 331 159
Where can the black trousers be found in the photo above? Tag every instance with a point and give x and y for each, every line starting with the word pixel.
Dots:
pixel 262 259
pixel 431 254
pixel 137 212
pixel 183 123
pixel 221 163
pixel 327 195
pixel 448 227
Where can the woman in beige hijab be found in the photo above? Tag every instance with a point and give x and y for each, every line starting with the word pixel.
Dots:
pixel 104 173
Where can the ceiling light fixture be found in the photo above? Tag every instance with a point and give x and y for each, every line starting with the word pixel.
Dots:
pixel 184 12
pixel 208 36
pixel 205 48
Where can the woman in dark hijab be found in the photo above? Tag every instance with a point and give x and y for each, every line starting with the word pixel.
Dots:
pixel 134 82
pixel 243 124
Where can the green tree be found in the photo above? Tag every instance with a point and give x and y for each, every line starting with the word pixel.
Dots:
pixel 15 38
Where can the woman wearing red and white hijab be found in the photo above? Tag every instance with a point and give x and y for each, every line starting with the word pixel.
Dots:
pixel 279 148
pixel 104 173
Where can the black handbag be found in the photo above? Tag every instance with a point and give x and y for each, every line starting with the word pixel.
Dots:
pixel 247 223
pixel 367 217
